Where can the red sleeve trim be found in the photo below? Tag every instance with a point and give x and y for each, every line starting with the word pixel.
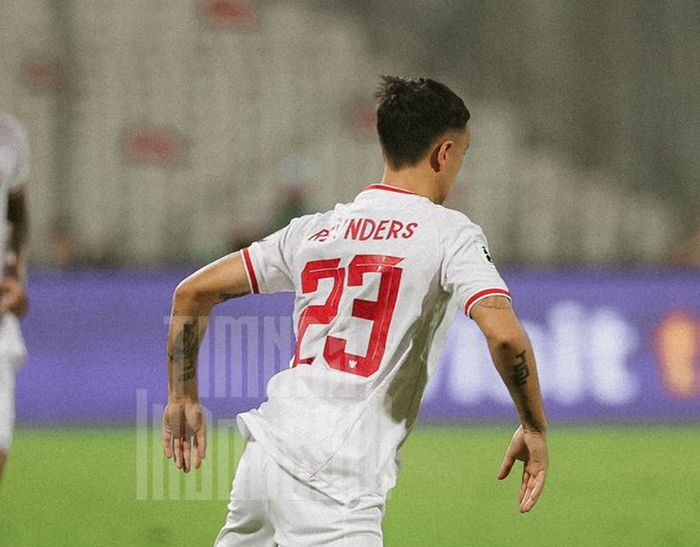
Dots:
pixel 483 294
pixel 248 263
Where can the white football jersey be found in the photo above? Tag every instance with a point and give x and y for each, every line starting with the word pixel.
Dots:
pixel 376 283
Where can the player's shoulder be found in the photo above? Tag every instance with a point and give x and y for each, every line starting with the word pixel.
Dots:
pixel 306 220
pixel 451 221
pixel 301 225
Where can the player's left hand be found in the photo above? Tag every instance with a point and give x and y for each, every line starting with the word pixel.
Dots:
pixel 13 296
pixel 183 421
pixel 530 447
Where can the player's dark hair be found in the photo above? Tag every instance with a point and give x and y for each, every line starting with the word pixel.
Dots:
pixel 412 114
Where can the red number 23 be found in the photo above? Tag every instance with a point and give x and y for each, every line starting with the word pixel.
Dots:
pixel 378 311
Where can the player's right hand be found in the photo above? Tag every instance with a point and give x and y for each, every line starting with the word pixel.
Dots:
pixel 184 423
pixel 13 296
pixel 530 447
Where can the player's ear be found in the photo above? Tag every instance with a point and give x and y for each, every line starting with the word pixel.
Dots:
pixel 438 158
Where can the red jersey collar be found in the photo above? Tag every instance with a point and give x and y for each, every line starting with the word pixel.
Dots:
pixel 389 188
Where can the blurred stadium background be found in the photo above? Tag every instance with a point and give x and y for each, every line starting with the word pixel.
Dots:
pixel 167 133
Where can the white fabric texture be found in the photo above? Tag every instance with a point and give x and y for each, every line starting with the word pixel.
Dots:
pixel 270 507
pixel 12 356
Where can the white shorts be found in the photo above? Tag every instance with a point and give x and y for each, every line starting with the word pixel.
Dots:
pixel 269 507
pixel 12 355
pixel 7 403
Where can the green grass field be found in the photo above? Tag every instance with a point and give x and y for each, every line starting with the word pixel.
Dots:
pixel 632 486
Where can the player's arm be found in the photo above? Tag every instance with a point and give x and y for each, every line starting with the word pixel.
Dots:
pixel 193 301
pixel 514 359
pixel 14 296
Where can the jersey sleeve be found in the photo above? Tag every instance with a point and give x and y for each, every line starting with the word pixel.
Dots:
pixel 269 262
pixel 468 271
pixel 14 154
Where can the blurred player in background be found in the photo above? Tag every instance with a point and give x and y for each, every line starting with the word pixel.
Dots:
pixel 377 283
pixel 14 168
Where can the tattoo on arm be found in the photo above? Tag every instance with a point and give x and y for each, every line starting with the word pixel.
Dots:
pixel 520 370
pixel 185 349
pixel 495 303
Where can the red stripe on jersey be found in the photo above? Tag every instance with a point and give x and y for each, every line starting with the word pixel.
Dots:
pixel 389 188
pixel 251 272
pixel 484 294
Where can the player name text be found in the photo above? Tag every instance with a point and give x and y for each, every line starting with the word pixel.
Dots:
pixel 365 229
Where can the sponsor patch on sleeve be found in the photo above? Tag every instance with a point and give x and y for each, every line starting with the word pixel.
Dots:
pixel 484 253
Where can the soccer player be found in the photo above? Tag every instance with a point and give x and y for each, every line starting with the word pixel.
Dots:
pixel 14 168
pixel 376 282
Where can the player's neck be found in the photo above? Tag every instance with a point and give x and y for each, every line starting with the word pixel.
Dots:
pixel 413 179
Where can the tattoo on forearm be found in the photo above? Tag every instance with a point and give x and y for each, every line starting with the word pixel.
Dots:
pixel 520 370
pixel 187 375
pixel 495 302
pixel 185 349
